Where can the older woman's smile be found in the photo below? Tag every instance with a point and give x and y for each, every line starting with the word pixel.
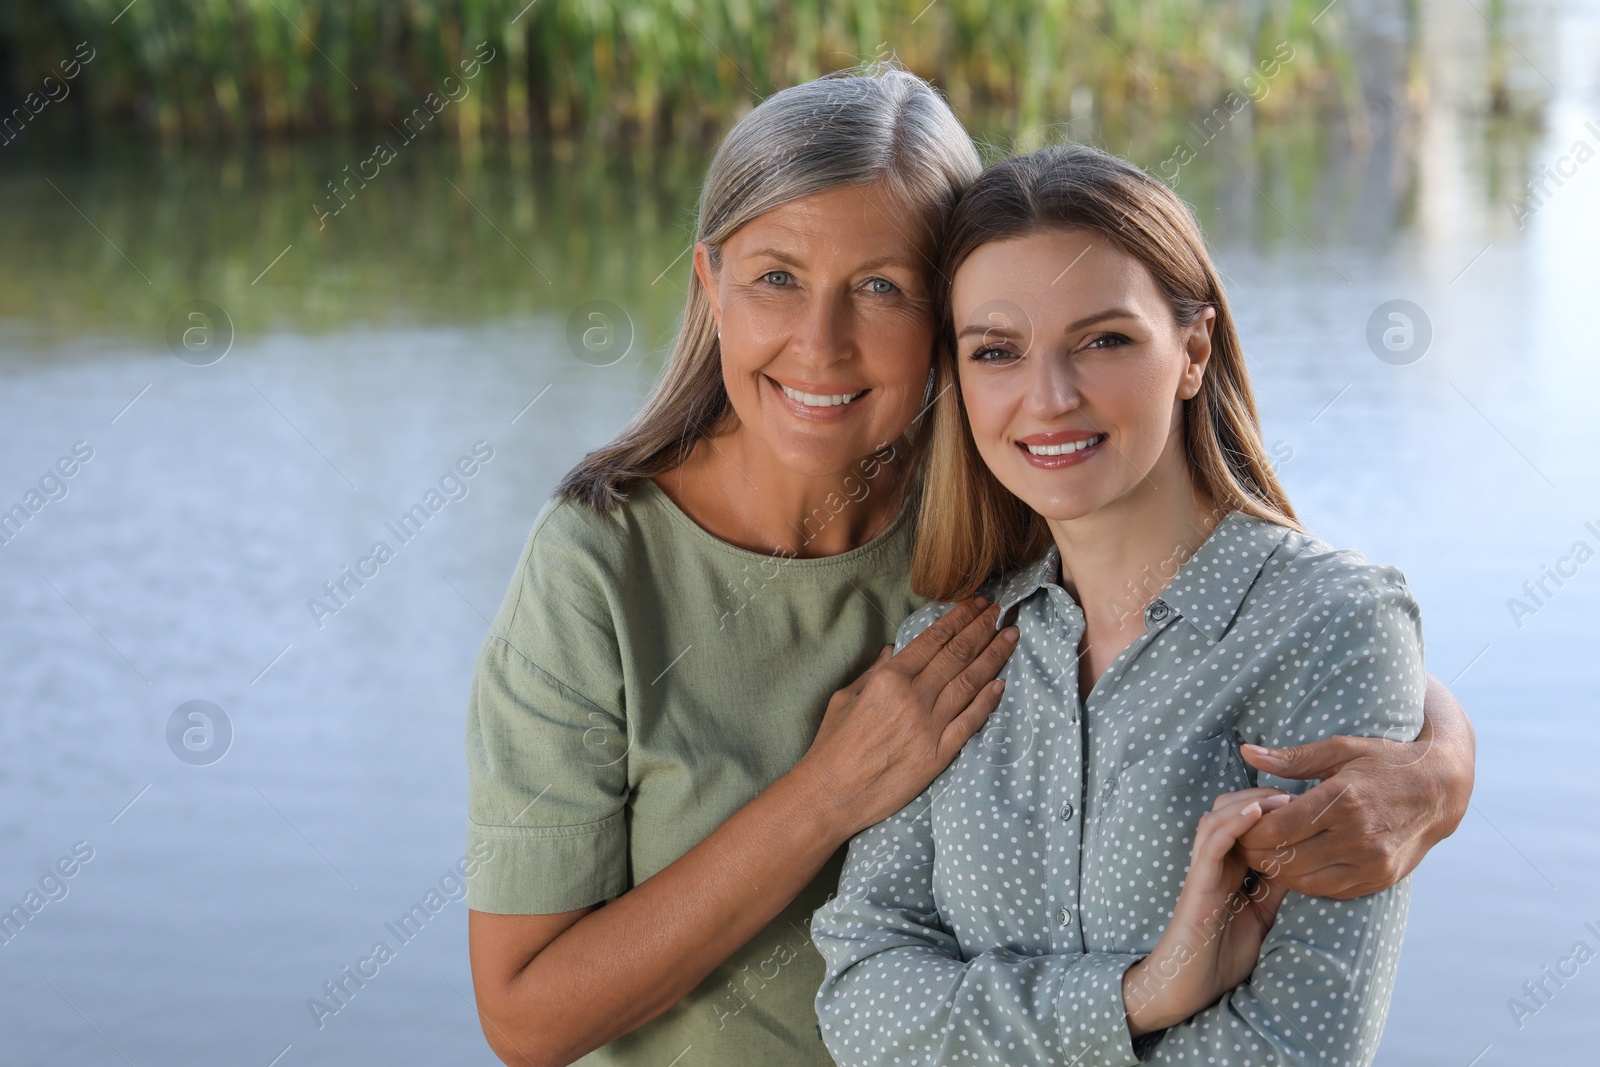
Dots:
pixel 823 402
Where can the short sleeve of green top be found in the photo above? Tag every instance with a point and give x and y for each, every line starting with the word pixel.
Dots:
pixel 641 682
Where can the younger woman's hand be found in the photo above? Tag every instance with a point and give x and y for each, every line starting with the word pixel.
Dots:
pixel 890 732
pixel 1217 928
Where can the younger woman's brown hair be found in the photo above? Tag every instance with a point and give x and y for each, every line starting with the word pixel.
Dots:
pixel 971 527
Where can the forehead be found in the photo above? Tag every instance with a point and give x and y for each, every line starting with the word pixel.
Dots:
pixel 851 220
pixel 1053 274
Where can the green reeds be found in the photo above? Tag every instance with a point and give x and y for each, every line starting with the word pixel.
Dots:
pixel 199 68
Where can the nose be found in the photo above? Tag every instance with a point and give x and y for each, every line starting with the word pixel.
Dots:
pixel 825 332
pixel 1052 387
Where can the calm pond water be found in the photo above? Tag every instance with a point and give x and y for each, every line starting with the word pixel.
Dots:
pixel 210 899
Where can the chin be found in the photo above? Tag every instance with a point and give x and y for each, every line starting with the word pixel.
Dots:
pixel 1055 504
pixel 814 459
pixel 1056 511
pixel 822 450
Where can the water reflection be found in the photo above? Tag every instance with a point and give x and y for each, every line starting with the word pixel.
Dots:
pixel 114 238
pixel 431 315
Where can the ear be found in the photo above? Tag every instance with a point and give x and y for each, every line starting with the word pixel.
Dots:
pixel 1198 347
pixel 708 279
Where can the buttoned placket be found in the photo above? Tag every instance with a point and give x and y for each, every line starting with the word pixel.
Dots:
pixel 1067 774
pixel 1065 777
pixel 1157 617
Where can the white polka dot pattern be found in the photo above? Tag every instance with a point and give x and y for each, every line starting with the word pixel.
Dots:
pixel 990 920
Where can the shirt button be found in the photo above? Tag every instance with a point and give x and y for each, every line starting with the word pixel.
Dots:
pixel 1158 611
pixel 1063 916
pixel 1066 812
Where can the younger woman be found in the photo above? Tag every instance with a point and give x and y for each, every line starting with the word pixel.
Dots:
pixel 1069 890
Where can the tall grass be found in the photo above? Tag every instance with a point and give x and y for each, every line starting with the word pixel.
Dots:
pixel 200 68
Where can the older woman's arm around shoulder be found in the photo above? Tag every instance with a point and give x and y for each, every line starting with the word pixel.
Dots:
pixel 1318 991
pixel 1380 806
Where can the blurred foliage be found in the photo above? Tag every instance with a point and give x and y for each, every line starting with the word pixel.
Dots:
pixel 530 205
pixel 202 68
pixel 109 241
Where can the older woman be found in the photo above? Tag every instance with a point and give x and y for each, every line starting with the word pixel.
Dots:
pixel 654 756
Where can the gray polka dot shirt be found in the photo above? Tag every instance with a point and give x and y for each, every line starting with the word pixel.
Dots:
pixel 990 920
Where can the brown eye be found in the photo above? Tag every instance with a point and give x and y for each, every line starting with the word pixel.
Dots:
pixel 989 354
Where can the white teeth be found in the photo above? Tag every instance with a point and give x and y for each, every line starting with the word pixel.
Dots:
pixel 812 400
pixel 1063 449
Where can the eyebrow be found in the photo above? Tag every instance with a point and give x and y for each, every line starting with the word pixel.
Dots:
pixel 773 253
pixel 890 260
pixel 788 258
pixel 1088 320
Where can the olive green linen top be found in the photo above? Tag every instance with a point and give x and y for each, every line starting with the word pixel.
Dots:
pixel 990 921
pixel 641 682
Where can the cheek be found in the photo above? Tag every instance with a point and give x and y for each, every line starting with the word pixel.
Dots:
pixel 746 347
pixel 766 328
pixel 737 367
pixel 989 405
pixel 897 350
pixel 753 325
pixel 1139 398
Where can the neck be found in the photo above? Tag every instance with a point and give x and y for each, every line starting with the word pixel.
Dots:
pixel 1118 558
pixel 737 490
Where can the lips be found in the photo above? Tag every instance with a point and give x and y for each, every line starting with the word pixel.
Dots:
pixel 817 401
pixel 1065 448
pixel 1061 448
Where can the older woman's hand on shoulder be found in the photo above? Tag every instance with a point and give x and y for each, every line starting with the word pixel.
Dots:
pixel 891 731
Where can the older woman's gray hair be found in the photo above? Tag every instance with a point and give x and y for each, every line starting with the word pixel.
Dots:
pixel 872 124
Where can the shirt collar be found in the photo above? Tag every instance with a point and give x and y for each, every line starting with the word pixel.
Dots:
pixel 1022 583
pixel 1207 590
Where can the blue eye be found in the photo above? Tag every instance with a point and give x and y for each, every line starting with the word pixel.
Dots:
pixel 776 277
pixel 881 285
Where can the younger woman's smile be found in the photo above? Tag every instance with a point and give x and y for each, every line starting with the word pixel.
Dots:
pixel 1061 448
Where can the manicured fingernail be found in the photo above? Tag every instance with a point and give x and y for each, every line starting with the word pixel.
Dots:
pixel 1009 634
pixel 1257 750
pixel 981 601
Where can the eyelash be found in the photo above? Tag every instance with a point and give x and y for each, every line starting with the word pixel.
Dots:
pixel 767 278
pixel 982 355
